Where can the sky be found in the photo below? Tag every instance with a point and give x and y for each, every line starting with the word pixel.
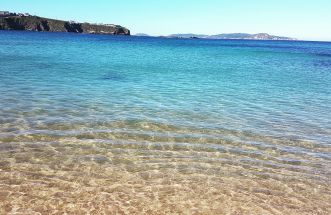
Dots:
pixel 302 19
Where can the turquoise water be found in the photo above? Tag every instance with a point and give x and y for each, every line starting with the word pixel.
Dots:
pixel 249 114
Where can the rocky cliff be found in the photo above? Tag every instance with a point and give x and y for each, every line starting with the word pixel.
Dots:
pixel 35 23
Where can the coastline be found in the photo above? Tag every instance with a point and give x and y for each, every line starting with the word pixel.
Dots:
pixel 40 24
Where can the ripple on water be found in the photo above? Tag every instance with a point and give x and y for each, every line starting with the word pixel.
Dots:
pixel 154 178
pixel 130 125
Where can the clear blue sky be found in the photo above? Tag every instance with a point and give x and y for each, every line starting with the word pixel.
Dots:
pixel 303 19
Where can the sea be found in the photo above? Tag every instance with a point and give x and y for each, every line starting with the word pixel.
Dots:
pixel 104 124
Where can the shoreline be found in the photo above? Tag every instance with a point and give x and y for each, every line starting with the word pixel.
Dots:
pixel 161 37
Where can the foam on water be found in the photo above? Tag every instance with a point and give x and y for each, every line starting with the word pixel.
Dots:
pixel 103 124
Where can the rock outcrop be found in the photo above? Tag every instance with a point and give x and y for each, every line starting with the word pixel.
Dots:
pixel 35 23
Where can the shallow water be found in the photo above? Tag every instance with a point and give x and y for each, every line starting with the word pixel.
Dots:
pixel 103 124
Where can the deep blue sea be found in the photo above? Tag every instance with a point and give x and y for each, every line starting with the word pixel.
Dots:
pixel 176 124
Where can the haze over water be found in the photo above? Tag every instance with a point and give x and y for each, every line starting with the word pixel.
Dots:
pixel 92 123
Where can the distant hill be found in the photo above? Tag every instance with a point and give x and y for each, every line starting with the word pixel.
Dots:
pixel 23 22
pixel 234 36
pixel 141 35
pixel 187 36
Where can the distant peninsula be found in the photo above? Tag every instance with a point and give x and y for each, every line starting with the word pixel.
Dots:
pixel 27 22
pixel 233 36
